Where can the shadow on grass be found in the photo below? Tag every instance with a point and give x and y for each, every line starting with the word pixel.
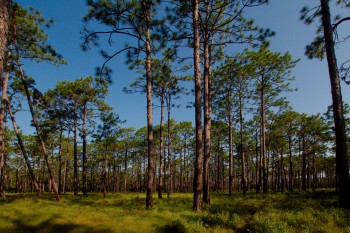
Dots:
pixel 24 223
pixel 173 227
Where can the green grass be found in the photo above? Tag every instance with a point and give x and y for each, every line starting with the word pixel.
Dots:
pixel 290 212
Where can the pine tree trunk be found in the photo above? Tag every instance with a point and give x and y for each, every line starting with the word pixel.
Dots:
pixel 263 136
pixel 125 168
pixel 161 144
pixel 303 172
pixel 342 163
pixel 151 159
pixel 4 86
pixel 170 174
pixel 5 15
pixel 26 158
pixel 84 150
pixel 75 126
pixel 197 179
pixel 207 120
pixel 38 131
pixel 230 155
pixel 242 148
pixel 60 164
pixel 291 183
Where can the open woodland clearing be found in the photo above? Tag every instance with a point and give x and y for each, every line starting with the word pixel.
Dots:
pixel 287 212
pixel 244 161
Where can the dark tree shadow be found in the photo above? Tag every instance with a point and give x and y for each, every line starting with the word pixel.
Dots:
pixel 22 223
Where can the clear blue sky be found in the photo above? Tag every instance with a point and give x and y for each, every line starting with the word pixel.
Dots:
pixel 282 16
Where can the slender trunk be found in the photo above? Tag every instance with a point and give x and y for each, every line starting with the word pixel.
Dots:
pixel 230 155
pixel 104 176
pixel 125 168
pixel 65 174
pixel 38 131
pixel 242 148
pixel 207 119
pixel 273 177
pixel 161 144
pixel 4 82
pixel 75 126
pixel 151 160
pixel 303 172
pixel 170 174
pixel 21 145
pixel 84 150
pixel 291 183
pixel 263 136
pixel 257 164
pixel 282 169
pixel 342 163
pixel 198 178
pixel 60 163
pixel 314 174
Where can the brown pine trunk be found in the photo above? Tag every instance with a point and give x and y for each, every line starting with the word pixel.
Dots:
pixel 263 136
pixel 60 164
pixel 151 160
pixel 197 179
pixel 207 120
pixel 291 182
pixel 170 174
pixel 242 148
pixel 230 155
pixel 65 173
pixel 282 172
pixel 84 151
pixel 5 15
pixel 4 82
pixel 26 158
pixel 125 168
pixel 104 176
pixel 75 126
pixel 303 172
pixel 161 144
pixel 342 163
pixel 257 164
pixel 314 172
pixel 38 131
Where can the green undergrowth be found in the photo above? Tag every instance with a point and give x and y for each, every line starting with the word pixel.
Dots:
pixel 289 212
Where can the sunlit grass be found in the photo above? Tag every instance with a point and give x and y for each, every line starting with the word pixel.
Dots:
pixel 290 212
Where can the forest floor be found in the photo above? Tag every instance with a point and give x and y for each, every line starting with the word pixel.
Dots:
pixel 289 212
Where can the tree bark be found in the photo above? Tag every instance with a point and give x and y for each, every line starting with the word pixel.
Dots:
pixel 161 144
pixel 5 16
pixel 38 131
pixel 84 151
pixel 291 177
pixel 151 160
pixel 21 145
pixel 197 179
pixel 75 126
pixel 342 163
pixel 60 163
pixel 242 148
pixel 263 136
pixel 4 86
pixel 230 155
pixel 303 172
pixel 207 120
pixel 170 174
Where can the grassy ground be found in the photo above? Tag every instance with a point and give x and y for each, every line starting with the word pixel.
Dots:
pixel 290 212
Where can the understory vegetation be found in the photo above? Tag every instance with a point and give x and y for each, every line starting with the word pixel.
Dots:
pixel 275 212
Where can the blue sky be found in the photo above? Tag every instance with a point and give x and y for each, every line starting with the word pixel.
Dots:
pixel 282 16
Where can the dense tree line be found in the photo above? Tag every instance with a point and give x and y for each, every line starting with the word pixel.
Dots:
pixel 245 137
